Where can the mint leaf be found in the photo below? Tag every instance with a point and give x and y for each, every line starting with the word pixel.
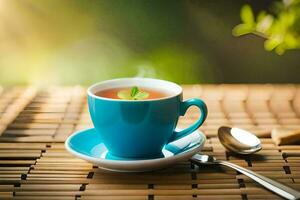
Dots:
pixel 141 95
pixel 132 94
pixel 134 91
pixel 124 94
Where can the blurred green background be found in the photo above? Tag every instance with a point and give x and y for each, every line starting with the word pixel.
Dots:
pixel 82 41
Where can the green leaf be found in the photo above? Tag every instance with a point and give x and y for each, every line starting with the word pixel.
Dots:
pixel 280 29
pixel 271 44
pixel 290 41
pixel 124 94
pixel 247 14
pixel 132 94
pixel 261 15
pixel 287 18
pixel 134 91
pixel 264 24
pixel 242 29
pixel 141 95
pixel 280 49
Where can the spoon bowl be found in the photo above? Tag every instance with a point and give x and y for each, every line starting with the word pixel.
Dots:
pixel 238 140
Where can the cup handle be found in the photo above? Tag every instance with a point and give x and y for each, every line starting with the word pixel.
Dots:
pixel 182 110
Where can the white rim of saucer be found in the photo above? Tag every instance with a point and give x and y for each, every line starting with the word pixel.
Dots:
pixel 106 162
pixel 158 84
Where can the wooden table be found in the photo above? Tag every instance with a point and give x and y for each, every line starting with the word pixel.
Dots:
pixel 34 123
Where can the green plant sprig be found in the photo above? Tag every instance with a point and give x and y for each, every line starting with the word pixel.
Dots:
pixel 281 30
pixel 133 94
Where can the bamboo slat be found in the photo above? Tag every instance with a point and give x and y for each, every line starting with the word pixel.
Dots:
pixel 34 164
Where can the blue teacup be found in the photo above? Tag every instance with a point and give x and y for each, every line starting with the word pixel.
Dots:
pixel 140 128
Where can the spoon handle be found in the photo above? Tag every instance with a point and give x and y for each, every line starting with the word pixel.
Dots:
pixel 278 188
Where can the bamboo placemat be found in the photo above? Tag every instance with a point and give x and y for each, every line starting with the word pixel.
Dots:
pixel 34 123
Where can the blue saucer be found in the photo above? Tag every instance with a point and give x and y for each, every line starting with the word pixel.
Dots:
pixel 86 144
